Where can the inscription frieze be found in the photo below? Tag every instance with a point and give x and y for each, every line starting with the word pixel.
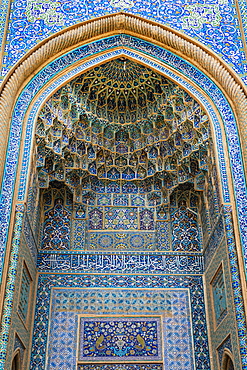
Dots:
pixel 120 263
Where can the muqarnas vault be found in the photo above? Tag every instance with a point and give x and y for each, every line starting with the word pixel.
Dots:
pixel 125 168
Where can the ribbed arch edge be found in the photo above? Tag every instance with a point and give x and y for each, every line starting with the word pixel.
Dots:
pixel 190 50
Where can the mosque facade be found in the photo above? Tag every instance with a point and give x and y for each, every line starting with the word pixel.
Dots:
pixel 123 185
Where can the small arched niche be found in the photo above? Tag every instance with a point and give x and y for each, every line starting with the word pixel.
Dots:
pixel 227 363
pixel 16 363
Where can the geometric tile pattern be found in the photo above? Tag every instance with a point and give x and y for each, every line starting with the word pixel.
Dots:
pixel 121 218
pixel 95 221
pixel 118 301
pixel 114 194
pixel 172 336
pixel 31 21
pixel 124 339
pixel 147 219
pixel 116 338
pixel 124 153
pixel 78 230
pixel 174 305
pixel 163 237
pixel 243 14
pixel 120 241
pixel 236 285
pixel 11 283
pixel 220 101
pixel 11 164
pixel 64 328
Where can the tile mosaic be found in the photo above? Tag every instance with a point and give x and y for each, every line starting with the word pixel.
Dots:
pixel 236 285
pixel 66 262
pixel 95 221
pixel 173 303
pixel 241 183
pixel 3 18
pixel 121 241
pixel 147 219
pixel 163 238
pixel 185 231
pixel 121 218
pixel 214 241
pixel 228 326
pixel 57 224
pixel 78 235
pixel 213 23
pixel 10 288
pixel 135 141
pixel 121 339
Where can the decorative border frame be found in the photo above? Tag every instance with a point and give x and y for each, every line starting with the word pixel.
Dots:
pixel 122 262
pixel 47 282
pixel 124 359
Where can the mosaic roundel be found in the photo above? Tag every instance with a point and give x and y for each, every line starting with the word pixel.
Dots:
pixel 137 240
pixel 106 241
pixel 122 122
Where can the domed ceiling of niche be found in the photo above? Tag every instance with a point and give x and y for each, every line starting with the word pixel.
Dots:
pixel 122 121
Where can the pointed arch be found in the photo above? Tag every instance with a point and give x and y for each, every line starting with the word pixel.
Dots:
pixel 227 360
pixel 190 50
pixel 16 362
pixel 61 57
